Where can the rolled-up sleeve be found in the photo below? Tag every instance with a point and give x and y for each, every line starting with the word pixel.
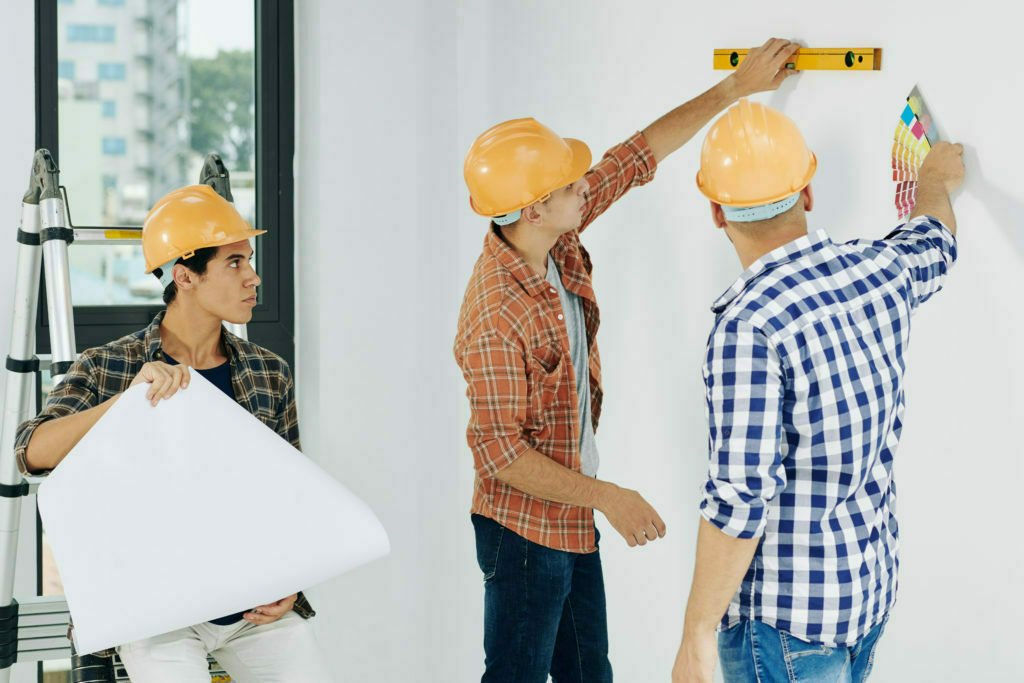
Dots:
pixel 744 389
pixel 495 372
pixel 926 249
pixel 76 393
pixel 624 166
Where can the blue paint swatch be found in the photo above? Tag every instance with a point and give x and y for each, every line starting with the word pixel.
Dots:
pixel 907 116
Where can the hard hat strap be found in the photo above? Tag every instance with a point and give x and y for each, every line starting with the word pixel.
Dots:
pixel 508 218
pixel 749 214
pixel 166 272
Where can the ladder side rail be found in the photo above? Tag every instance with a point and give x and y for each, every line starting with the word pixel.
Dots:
pixel 19 391
pixel 55 237
pixel 18 396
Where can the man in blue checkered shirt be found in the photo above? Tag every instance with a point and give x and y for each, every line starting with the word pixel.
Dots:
pixel 797 548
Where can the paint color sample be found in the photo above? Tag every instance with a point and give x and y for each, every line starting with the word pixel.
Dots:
pixel 913 139
pixel 920 109
pixel 908 115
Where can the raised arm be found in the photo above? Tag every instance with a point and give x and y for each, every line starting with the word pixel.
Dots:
pixel 941 172
pixel 762 70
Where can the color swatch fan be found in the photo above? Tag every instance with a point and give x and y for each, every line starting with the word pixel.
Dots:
pixel 915 135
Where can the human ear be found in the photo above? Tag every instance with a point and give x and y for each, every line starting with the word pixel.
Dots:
pixel 717 215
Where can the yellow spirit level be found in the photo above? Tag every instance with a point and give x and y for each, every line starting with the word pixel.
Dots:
pixel 816 58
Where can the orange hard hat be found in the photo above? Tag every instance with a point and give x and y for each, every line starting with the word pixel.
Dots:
pixel 519 162
pixel 188 219
pixel 754 155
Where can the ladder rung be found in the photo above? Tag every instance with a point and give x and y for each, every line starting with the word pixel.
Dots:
pixel 41 654
pixel 45 644
pixel 108 236
pixel 47 631
pixel 42 620
pixel 42 604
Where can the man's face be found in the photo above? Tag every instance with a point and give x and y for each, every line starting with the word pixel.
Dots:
pixel 228 288
pixel 563 211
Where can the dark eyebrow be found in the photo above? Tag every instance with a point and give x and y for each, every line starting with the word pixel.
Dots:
pixel 238 256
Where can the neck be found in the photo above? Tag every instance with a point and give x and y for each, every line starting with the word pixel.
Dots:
pixel 531 245
pixel 752 244
pixel 191 337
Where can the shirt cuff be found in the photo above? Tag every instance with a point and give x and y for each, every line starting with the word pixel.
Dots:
pixel 922 225
pixel 748 521
pixel 495 455
pixel 646 164
pixel 21 446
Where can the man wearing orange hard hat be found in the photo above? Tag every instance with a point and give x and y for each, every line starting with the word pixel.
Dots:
pixel 797 548
pixel 526 346
pixel 197 245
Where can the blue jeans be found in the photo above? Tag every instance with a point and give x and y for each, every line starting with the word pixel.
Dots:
pixel 753 651
pixel 544 610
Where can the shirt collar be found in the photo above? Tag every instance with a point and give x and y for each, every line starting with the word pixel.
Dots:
pixel 791 251
pixel 154 347
pixel 506 256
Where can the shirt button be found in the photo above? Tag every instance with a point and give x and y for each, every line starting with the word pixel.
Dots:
pixel 559 316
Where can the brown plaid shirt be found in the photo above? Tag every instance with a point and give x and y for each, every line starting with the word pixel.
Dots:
pixel 513 349
pixel 261 380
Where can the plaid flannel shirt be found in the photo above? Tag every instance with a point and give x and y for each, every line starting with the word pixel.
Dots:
pixel 261 380
pixel 513 349
pixel 804 378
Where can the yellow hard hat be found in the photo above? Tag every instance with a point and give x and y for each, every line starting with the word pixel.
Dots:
pixel 754 155
pixel 189 219
pixel 519 162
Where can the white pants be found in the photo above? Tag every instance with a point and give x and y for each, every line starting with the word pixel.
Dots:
pixel 284 651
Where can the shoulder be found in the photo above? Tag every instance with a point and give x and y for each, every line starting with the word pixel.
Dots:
pixel 261 360
pixel 128 350
pixel 495 304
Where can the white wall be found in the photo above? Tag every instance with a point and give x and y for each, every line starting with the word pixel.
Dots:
pixel 390 99
pixel 377 206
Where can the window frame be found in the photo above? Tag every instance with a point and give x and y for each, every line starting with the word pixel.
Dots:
pixel 273 321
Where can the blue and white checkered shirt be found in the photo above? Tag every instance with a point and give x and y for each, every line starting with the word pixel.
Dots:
pixel 804 379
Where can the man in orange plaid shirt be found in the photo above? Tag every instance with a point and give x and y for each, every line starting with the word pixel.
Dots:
pixel 525 344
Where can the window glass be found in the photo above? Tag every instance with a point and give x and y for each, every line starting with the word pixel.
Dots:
pixel 147 88
pixel 85 33
pixel 111 71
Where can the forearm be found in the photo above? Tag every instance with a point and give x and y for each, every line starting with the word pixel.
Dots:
pixel 721 563
pixel 933 200
pixel 54 439
pixel 541 477
pixel 675 128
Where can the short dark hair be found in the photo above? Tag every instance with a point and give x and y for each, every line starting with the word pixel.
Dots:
pixel 197 264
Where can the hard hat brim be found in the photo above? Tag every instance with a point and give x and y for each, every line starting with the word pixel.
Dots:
pixel 230 239
pixel 581 159
pixel 745 202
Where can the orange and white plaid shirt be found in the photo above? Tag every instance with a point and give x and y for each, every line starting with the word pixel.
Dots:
pixel 513 349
